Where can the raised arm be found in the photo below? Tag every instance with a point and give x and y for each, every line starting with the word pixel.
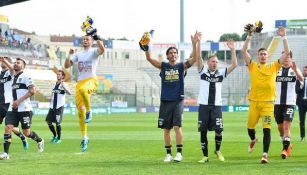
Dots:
pixel 199 60
pixel 282 33
pixel 234 62
pixel 100 47
pixel 68 63
pixel 297 72
pixel 8 64
pixel 246 55
pixel 195 54
pixel 155 62
pixel 146 46
pixel 299 86
pixel 66 88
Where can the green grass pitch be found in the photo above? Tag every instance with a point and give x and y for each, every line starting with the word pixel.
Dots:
pixel 132 144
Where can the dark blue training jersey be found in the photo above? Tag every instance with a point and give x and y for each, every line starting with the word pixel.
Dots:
pixel 172 81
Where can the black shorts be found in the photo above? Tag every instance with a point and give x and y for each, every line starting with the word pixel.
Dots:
pixel 283 113
pixel 55 116
pixel 3 110
pixel 170 114
pixel 210 118
pixel 13 118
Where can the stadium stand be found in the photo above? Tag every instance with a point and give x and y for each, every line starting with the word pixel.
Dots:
pixel 298 45
pixel 133 78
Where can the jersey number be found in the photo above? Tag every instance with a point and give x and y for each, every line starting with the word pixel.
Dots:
pixel 219 122
pixel 289 111
pixel 267 119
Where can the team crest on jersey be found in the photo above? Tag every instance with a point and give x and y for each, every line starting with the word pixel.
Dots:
pixel 19 79
pixel 291 73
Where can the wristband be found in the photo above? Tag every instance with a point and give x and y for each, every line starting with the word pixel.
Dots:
pixel 249 37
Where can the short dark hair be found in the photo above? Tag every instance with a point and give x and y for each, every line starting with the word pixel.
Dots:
pixel 170 48
pixel 88 35
pixel 63 73
pixel 24 62
pixel 262 49
pixel 290 53
pixel 305 67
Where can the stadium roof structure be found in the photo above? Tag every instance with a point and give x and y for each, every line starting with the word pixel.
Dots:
pixel 9 2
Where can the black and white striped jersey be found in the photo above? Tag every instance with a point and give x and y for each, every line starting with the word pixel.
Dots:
pixel 5 87
pixel 285 86
pixel 20 87
pixel 58 96
pixel 210 88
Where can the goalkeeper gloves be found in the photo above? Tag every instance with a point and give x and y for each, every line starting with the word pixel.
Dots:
pixel 145 41
pixel 250 29
pixel 93 33
pixel 259 26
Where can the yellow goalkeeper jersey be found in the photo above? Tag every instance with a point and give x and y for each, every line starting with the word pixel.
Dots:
pixel 262 78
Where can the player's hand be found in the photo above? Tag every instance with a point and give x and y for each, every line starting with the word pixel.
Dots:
pixel 145 48
pixel 281 31
pixel 258 26
pixel 96 37
pixel 249 29
pixel 15 104
pixel 71 51
pixel 196 38
pixel 90 31
pixel 230 43
pixel 144 43
pixel 293 66
pixel 3 58
pixel 62 84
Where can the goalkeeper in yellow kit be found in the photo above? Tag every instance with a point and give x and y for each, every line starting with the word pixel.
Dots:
pixel 263 90
pixel 87 81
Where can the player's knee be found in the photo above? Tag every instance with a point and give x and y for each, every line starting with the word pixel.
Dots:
pixel 8 128
pixel 286 128
pixel 202 126
pixel 49 123
pixel 81 107
pixel 81 91
pixel 167 131
pixel 218 132
pixel 26 132
pixel 177 128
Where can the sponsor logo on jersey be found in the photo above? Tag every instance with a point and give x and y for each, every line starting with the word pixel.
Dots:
pixel 16 86
pixel 4 80
pixel 171 75
pixel 285 79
